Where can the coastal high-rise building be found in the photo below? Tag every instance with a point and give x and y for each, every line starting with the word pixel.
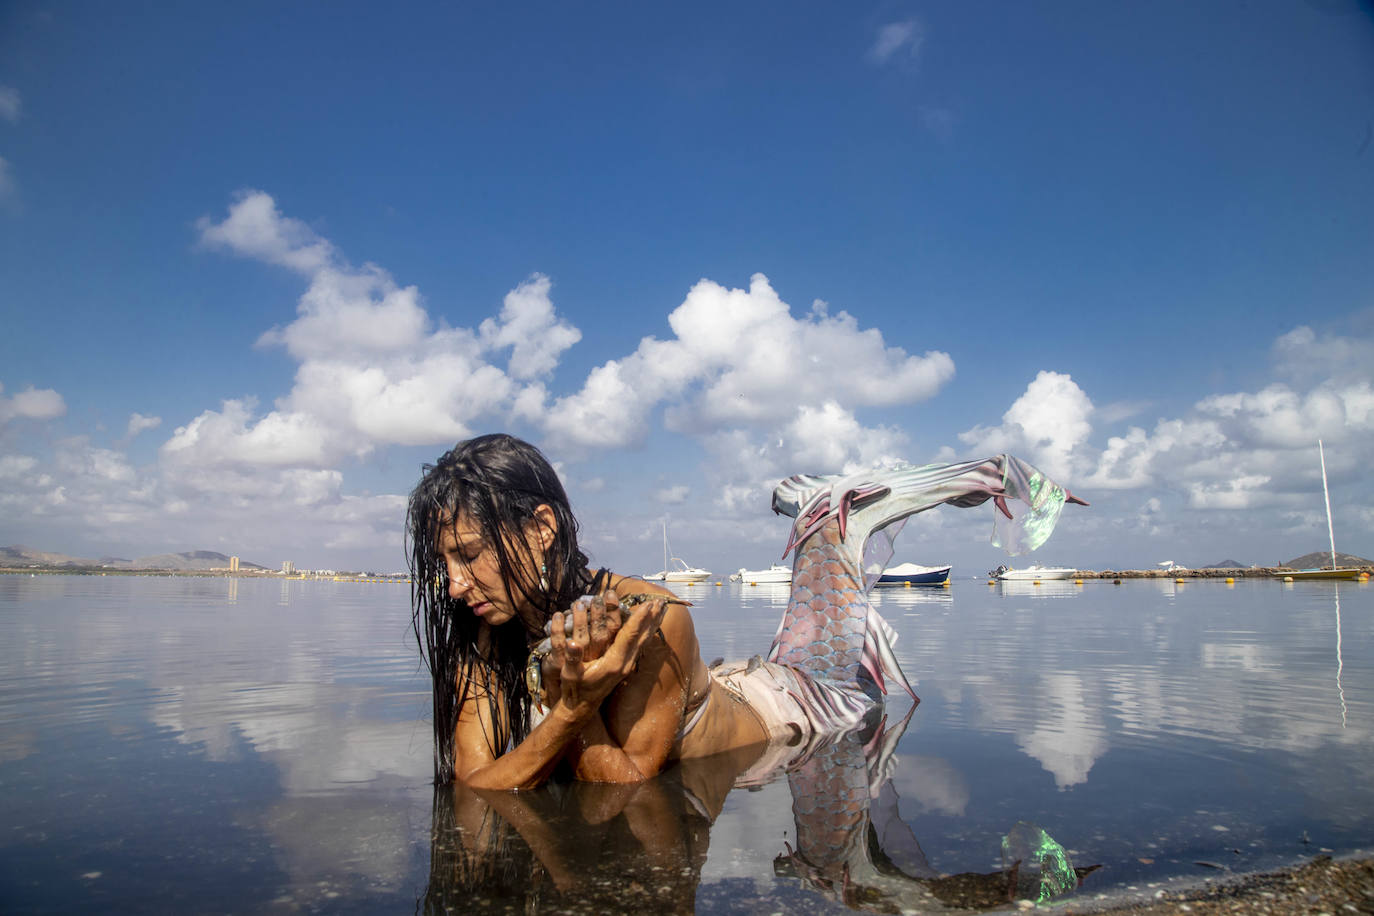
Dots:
pixel 288 568
pixel 233 564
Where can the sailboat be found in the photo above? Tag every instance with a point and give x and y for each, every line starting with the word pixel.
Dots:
pixel 1334 571
pixel 676 569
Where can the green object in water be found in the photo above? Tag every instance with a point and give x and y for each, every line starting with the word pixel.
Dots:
pixel 1041 866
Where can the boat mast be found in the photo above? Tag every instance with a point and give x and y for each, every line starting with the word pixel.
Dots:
pixel 1330 532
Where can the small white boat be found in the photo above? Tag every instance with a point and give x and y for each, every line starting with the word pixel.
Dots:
pixel 680 572
pixel 1038 573
pixel 684 573
pixel 773 575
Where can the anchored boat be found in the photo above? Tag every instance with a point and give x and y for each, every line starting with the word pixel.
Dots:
pixel 676 569
pixel 912 574
pixel 1334 571
pixel 1041 573
pixel 776 574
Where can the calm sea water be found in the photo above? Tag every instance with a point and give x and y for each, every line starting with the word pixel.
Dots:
pixel 246 746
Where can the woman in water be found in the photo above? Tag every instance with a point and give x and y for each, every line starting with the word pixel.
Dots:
pixel 541 665
pixel 495 569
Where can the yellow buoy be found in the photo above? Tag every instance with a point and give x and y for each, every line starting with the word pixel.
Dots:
pixel 906 585
pixel 1035 582
pixel 944 584
pixel 1230 580
pixel 991 582
pixel 1077 581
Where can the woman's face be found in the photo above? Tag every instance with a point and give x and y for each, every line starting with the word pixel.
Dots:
pixel 474 572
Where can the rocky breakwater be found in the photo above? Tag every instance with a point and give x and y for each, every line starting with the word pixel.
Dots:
pixel 1261 572
pixel 1246 572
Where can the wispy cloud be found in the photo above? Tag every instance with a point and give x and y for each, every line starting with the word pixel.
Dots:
pixel 138 423
pixel 11 106
pixel 937 121
pixel 904 37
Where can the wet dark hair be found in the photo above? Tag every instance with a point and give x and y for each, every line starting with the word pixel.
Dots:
pixel 496 482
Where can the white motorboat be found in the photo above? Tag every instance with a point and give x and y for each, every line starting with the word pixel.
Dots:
pixel 676 569
pixel 1038 573
pixel 684 573
pixel 773 575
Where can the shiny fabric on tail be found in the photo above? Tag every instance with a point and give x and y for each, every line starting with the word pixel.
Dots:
pixel 843 539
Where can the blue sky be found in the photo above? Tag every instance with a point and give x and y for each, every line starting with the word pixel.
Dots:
pixel 260 262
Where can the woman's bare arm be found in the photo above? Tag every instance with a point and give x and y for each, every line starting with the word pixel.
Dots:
pixel 582 689
pixel 639 723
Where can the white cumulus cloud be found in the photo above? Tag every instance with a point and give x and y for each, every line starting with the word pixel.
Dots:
pixel 1048 425
pixel 740 359
pixel 529 326
pixel 375 368
pixel 31 404
pixel 255 228
pixel 230 436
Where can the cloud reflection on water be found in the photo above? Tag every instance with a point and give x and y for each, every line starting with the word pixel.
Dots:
pixel 318 685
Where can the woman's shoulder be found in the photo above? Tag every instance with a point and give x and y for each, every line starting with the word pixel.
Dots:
pixel 624 586
pixel 676 621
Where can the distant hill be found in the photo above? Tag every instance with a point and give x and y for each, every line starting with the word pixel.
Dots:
pixel 190 561
pixel 1227 564
pixel 1323 558
pixel 19 555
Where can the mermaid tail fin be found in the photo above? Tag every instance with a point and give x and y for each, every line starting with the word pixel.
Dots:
pixel 842 538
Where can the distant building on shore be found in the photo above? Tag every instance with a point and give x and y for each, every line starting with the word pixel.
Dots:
pixel 233 564
pixel 288 568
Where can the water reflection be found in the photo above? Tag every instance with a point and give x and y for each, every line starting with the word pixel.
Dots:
pixel 764 595
pixel 1048 588
pixel 1340 665
pixel 282 755
pixel 597 848
pixel 912 597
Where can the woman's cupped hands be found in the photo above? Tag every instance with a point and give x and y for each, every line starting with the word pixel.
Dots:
pixel 595 645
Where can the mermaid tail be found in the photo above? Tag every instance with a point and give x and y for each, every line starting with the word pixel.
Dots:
pixel 843 537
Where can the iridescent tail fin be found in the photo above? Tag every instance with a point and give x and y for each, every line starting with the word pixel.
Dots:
pixel 843 537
